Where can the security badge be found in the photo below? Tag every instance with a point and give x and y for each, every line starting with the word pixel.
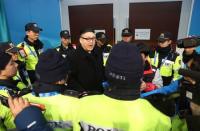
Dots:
pixel 126 31
pixel 35 25
pixel 167 62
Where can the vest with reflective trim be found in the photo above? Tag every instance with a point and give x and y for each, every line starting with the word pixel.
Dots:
pixel 60 109
pixel 31 59
pixel 106 53
pixel 169 67
pixel 7 119
pixel 102 113
pixel 20 84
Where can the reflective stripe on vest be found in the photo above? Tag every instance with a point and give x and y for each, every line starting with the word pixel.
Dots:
pixel 32 59
pixel 60 124
pixel 46 94
pixel 166 67
pixel 105 58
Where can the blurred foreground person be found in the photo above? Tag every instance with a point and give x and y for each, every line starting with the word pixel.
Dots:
pixel 120 107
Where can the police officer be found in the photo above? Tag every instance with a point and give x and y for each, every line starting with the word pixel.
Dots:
pixel 165 61
pixel 127 35
pixel 50 90
pixel 65 47
pixel 31 48
pixel 120 108
pixel 102 42
pixel 20 109
pixel 22 79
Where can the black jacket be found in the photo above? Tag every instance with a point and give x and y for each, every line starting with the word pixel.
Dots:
pixel 65 52
pixel 193 123
pixel 87 70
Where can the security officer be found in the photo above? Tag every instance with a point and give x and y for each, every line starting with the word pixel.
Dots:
pixel 22 78
pixel 8 69
pixel 127 35
pixel 165 61
pixel 30 49
pixel 20 109
pixel 120 108
pixel 102 43
pixel 50 90
pixel 65 47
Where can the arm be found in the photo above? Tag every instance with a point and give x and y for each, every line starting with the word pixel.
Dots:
pixel 173 87
pixel 27 118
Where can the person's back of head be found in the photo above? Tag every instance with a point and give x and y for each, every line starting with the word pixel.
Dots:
pixel 124 70
pixel 51 67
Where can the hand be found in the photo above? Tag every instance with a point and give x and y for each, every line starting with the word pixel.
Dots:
pixel 17 105
pixel 143 86
pixel 195 109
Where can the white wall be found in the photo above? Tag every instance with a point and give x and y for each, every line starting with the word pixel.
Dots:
pixel 121 13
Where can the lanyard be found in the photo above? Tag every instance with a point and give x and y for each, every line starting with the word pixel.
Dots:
pixel 32 52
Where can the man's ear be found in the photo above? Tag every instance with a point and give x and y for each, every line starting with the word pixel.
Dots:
pixel 80 40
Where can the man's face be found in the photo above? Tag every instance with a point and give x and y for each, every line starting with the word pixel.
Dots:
pixel 189 51
pixel 87 41
pixel 32 36
pixel 165 43
pixel 127 38
pixel 10 70
pixel 65 41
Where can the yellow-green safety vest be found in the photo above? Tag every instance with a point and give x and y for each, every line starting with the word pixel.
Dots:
pixel 7 119
pixel 106 54
pixel 102 113
pixel 168 67
pixel 31 58
pixel 20 84
pixel 60 110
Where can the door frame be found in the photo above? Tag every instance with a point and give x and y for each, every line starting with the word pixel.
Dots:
pixel 121 13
